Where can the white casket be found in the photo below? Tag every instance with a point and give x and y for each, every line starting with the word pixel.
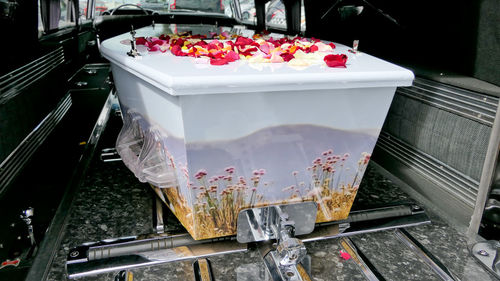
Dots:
pixel 213 140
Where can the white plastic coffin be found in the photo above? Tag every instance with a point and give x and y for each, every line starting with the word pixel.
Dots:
pixel 213 140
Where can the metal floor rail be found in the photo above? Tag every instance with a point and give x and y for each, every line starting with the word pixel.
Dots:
pixel 148 250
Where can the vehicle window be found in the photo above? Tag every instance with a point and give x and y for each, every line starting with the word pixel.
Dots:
pixel 160 6
pixel 83 7
pixel 55 14
pixel 275 15
pixel 247 11
pixel 227 8
pixel 67 13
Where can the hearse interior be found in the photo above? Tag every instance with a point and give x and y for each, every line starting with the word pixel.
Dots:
pixel 220 139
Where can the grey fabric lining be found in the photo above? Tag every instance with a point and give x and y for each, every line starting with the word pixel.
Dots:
pixel 457 141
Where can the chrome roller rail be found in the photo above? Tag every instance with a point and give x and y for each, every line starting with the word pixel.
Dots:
pixel 154 249
pixel 368 270
pixel 426 256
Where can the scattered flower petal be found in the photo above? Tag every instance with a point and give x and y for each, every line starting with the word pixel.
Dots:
pixel 344 255
pixel 335 60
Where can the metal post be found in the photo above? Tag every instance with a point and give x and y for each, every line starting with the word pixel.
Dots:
pixel 486 179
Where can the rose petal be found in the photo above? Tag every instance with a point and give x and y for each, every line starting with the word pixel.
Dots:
pixel 158 42
pixel 335 60
pixel 287 57
pixel 177 51
pixel 220 61
pixel 232 56
pixel 344 255
pixel 140 41
pixel 154 48
pixel 276 58
pixel 164 37
pixel 265 48
pixel 322 47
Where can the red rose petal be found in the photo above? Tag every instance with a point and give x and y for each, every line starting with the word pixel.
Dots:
pixel 241 41
pixel 344 255
pixel 177 51
pixel 335 60
pixel 221 61
pixel 154 48
pixel 287 57
pixel 140 41
pixel 164 37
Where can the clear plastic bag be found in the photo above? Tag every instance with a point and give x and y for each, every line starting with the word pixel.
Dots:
pixel 142 149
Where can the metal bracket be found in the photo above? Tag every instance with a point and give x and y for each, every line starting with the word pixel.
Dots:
pixel 26 217
pixel 133 50
pixel 280 223
pixel 488 255
pixel 266 223
pixel 109 155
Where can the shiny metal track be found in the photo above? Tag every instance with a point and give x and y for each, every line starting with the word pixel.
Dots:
pixel 426 256
pixel 141 251
pixel 369 271
pixel 12 83
pixel 41 264
pixel 20 156
pixel 451 180
pixel 472 105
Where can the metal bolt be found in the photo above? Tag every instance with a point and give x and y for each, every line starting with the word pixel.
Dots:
pixel 74 254
pixel 289 274
pixel 483 253
pixel 415 208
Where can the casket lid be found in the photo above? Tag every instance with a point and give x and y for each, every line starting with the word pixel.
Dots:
pixel 182 76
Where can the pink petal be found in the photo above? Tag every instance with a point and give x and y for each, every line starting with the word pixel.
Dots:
pixel 265 48
pixel 232 56
pixel 344 255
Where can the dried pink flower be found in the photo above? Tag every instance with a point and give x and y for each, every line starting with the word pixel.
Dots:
pixel 200 174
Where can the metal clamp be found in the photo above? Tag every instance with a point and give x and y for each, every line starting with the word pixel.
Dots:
pixel 281 223
pixel 26 217
pixel 488 255
pixel 133 49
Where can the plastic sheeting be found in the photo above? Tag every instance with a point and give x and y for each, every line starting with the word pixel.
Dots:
pixel 141 149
